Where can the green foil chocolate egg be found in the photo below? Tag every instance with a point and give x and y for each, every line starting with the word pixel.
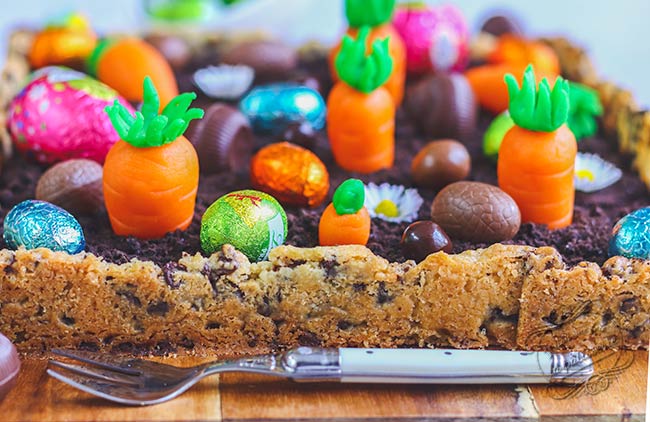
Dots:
pixel 252 221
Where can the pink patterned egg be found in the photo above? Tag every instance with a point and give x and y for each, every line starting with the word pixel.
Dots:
pixel 60 115
pixel 436 37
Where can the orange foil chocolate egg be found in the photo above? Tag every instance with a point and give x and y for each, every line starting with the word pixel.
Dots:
pixel 292 174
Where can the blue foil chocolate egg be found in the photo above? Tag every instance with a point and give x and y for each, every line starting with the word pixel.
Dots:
pixel 272 108
pixel 39 224
pixel 631 235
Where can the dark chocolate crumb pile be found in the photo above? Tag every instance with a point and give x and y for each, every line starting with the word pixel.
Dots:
pixel 586 239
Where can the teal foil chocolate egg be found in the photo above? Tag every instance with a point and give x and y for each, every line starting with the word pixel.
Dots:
pixel 272 108
pixel 252 221
pixel 631 235
pixel 39 224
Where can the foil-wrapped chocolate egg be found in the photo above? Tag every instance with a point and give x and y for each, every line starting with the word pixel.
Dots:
pixel 436 37
pixel 37 224
pixel 631 235
pixel 292 174
pixel 60 115
pixel 271 108
pixel 252 221
pixel 74 185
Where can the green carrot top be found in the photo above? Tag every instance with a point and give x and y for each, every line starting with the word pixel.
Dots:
pixel 585 107
pixel 349 197
pixel 540 110
pixel 363 72
pixel 148 128
pixel 368 12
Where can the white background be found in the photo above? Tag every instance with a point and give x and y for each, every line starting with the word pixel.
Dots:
pixel 617 33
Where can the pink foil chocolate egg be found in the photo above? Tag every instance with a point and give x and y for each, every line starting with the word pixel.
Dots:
pixel 59 115
pixel 436 37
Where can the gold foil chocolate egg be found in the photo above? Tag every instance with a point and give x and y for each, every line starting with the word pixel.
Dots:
pixel 292 174
pixel 74 185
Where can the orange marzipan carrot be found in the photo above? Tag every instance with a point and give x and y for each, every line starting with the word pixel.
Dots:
pixel 361 128
pixel 346 229
pixel 149 192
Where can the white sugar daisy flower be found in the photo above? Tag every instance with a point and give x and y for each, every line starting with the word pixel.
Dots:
pixel 592 173
pixel 392 203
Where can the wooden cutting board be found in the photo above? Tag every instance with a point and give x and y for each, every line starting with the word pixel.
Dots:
pixel 617 392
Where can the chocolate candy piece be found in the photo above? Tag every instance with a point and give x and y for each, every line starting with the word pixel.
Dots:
pixel 271 60
pixel 74 185
pixel 443 106
pixel 476 212
pixel 9 366
pixel 175 49
pixel 302 134
pixel 498 25
pixel 223 139
pixel 440 163
pixel 422 238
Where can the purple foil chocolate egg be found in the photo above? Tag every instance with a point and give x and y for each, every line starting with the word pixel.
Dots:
pixel 59 115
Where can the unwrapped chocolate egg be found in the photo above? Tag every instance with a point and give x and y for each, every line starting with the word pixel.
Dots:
pixel 631 235
pixel 476 212
pixel 60 115
pixel 271 108
pixel 252 221
pixel 292 174
pixel 38 224
pixel 74 185
pixel 271 60
pixel 223 139
pixel 436 37
pixel 440 163
pixel 443 106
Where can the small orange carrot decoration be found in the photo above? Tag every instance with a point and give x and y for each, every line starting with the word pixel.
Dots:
pixel 487 83
pixel 123 63
pixel 360 112
pixel 516 50
pixel 66 42
pixel 376 14
pixel 151 176
pixel 537 155
pixel 345 221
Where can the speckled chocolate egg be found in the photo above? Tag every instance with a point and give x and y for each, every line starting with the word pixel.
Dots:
pixel 74 185
pixel 440 163
pixel 271 108
pixel 60 115
pixel 292 174
pixel 631 235
pixel 252 221
pixel 476 212
pixel 443 106
pixel 37 224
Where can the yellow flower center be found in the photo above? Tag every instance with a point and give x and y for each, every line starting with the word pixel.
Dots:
pixel 387 208
pixel 585 174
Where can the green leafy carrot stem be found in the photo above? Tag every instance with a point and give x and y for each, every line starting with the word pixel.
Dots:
pixel 349 197
pixel 363 72
pixel 148 128
pixel 585 108
pixel 540 110
pixel 368 12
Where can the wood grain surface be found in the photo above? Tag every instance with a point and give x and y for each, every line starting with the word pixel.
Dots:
pixel 617 392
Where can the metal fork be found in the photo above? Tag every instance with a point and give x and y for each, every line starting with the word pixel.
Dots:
pixel 142 382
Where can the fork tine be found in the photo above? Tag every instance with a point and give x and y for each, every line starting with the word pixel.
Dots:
pixel 100 374
pixel 104 361
pixel 105 390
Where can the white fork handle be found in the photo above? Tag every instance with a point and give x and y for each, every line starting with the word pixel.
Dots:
pixel 432 366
